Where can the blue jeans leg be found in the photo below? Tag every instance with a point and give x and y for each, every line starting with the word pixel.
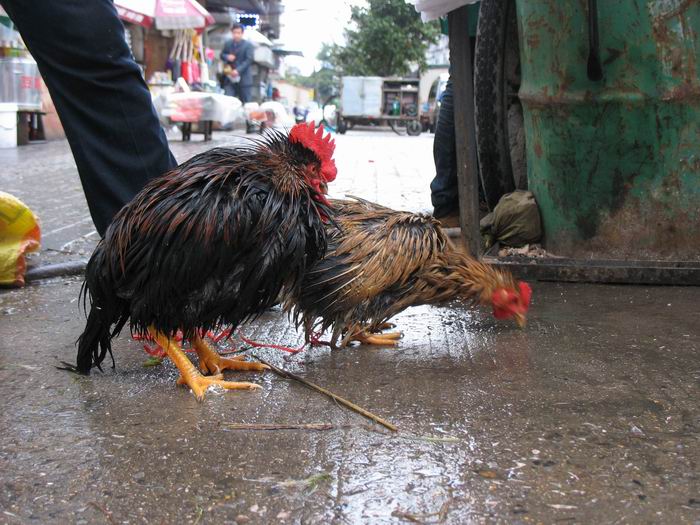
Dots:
pixel 444 193
pixel 100 96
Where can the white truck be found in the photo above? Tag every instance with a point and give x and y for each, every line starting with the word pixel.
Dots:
pixel 380 101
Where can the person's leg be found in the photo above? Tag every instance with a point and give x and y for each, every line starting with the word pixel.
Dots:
pixel 444 193
pixel 100 96
pixel 245 93
pixel 229 87
pixel 444 187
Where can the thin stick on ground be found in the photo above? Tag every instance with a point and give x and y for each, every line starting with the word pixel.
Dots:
pixel 103 510
pixel 291 426
pixel 342 401
pixel 234 352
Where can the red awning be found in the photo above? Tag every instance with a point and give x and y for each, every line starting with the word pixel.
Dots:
pixel 164 14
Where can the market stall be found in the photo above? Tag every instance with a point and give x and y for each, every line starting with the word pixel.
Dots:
pixel 20 90
pixel 176 63
pixel 196 111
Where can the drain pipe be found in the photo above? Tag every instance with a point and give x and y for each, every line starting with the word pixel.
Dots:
pixel 56 270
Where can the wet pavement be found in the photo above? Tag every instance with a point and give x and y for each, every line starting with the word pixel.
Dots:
pixel 588 415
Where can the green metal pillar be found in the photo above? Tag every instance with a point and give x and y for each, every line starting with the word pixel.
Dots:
pixel 614 163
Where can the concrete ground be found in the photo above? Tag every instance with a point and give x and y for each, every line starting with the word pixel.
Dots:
pixel 588 415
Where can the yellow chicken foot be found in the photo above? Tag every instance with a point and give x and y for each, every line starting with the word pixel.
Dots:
pixel 212 363
pixel 190 376
pixel 366 338
pixel 385 326
pixel 393 336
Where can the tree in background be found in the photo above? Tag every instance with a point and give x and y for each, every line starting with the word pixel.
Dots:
pixel 326 78
pixel 323 81
pixel 388 38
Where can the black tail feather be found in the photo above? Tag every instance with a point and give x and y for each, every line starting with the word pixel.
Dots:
pixel 94 343
pixel 105 307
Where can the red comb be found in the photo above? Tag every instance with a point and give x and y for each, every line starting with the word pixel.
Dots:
pixel 525 293
pixel 310 138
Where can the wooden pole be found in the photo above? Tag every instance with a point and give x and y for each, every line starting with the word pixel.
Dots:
pixel 465 131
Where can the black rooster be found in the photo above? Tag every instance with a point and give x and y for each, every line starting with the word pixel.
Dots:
pixel 211 243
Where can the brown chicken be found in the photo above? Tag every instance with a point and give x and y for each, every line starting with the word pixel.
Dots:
pixel 381 261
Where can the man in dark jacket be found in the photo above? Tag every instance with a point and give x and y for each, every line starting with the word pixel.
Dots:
pixel 238 55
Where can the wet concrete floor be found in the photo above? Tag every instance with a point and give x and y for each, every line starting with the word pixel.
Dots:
pixel 590 414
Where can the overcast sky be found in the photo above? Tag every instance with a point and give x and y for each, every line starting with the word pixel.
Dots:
pixel 306 24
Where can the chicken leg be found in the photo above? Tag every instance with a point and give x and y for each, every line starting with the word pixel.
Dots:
pixel 189 375
pixel 386 339
pixel 367 337
pixel 212 363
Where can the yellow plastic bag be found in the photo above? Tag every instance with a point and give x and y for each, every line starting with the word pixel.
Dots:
pixel 19 234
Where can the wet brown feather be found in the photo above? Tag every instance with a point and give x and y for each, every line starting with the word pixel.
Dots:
pixel 380 262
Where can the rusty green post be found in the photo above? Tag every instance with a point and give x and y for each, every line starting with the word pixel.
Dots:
pixel 614 163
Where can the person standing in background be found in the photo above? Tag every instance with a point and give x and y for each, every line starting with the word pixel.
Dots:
pixel 237 54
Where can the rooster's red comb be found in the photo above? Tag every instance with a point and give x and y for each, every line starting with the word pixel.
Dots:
pixel 308 136
pixel 525 293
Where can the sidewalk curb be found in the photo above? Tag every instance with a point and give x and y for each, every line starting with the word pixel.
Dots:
pixel 56 270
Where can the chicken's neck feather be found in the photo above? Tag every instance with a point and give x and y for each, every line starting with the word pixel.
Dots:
pixel 457 276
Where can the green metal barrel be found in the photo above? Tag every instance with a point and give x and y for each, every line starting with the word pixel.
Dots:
pixel 614 163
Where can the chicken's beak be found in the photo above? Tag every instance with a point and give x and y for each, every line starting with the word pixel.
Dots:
pixel 520 320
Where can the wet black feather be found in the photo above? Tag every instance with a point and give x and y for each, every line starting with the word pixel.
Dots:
pixel 209 244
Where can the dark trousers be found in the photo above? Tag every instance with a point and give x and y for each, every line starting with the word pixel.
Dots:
pixel 444 192
pixel 235 89
pixel 100 96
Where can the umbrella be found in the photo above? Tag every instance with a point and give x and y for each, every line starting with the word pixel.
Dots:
pixel 164 14
pixel 256 37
